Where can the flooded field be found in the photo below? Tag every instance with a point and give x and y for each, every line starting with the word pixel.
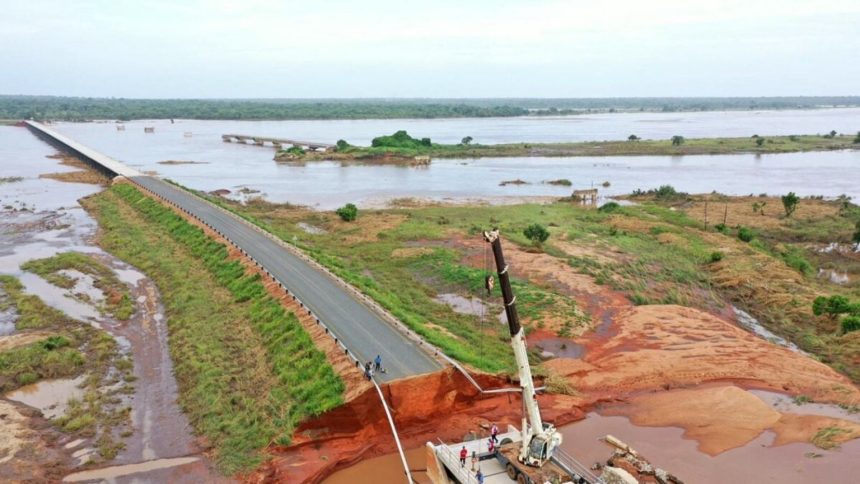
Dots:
pixel 327 185
pixel 40 218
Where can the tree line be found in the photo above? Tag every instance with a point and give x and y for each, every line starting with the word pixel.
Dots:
pixel 84 109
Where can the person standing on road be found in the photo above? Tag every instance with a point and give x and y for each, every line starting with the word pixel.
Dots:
pixel 494 431
pixel 378 363
pixel 463 454
pixel 479 476
pixel 368 373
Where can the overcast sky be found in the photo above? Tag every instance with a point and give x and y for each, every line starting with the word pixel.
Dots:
pixel 439 48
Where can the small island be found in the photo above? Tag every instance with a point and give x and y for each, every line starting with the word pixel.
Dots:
pixel 401 148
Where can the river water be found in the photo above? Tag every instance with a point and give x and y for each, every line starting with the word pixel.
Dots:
pixel 326 185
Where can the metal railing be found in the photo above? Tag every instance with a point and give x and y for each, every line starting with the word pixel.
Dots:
pixel 452 463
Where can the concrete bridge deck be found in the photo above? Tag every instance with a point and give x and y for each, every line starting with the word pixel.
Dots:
pixel 276 142
pixel 365 331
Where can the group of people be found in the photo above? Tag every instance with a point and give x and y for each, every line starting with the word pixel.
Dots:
pixel 372 366
pixel 491 448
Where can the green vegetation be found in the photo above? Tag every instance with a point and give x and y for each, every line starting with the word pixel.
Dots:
pixel 403 147
pixel 70 348
pixel 248 372
pixel 348 212
pixel 656 251
pixel 857 138
pixel 537 233
pixel 716 256
pixel 564 182
pixel 117 299
pixel 746 234
pixel 836 305
pixel 677 140
pixel 79 109
pixel 789 203
pixel 10 179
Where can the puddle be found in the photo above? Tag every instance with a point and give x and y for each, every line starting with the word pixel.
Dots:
pixel 129 276
pixel 463 305
pixel 786 404
pixel 560 348
pixel 311 229
pixel 754 462
pixel 750 323
pixel 110 473
pixel 8 316
pixel 58 298
pixel 49 396
pixel 834 276
pixel 84 287
pixel 386 468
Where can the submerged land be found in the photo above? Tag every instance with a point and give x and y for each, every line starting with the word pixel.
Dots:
pixel 400 147
pixel 672 311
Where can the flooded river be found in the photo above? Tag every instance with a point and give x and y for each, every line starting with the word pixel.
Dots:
pixel 326 185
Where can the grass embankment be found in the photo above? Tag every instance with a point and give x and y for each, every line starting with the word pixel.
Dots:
pixel 247 370
pixel 69 348
pixel 117 299
pixel 406 150
pixel 655 253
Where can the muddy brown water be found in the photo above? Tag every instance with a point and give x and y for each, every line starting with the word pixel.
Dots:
pixel 40 218
pixel 328 185
pixel 387 468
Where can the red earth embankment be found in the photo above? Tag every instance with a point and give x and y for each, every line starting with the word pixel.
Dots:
pixel 441 405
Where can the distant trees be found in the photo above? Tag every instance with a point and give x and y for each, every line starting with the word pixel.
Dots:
pixel 400 139
pixel 465 141
pixel 790 202
pixel 856 237
pixel 342 145
pixel 537 233
pixel 857 138
pixel 677 140
pixel 348 212
pixel 633 137
pixel 759 141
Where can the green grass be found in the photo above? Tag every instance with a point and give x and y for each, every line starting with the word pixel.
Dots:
pixel 75 348
pixel 117 299
pixel 248 372
pixel 696 146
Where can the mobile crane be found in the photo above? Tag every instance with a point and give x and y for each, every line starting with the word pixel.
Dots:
pixel 539 458
pixel 539 440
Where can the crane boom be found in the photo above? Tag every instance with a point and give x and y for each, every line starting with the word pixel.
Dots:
pixel 538 441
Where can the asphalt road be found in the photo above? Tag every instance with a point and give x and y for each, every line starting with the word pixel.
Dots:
pixel 362 330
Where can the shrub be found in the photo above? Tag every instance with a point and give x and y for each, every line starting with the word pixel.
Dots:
pixel 850 323
pixel 856 236
pixel 716 256
pixel 759 141
pixel 745 234
pixel 465 141
pixel 677 140
pixel 348 212
pixel 831 306
pixel 857 138
pixel 794 137
pixel 789 202
pixel 400 139
pixel 537 233
pixel 633 137
pixel 609 207
pixel 342 145
pixel 721 227
pixel 666 191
